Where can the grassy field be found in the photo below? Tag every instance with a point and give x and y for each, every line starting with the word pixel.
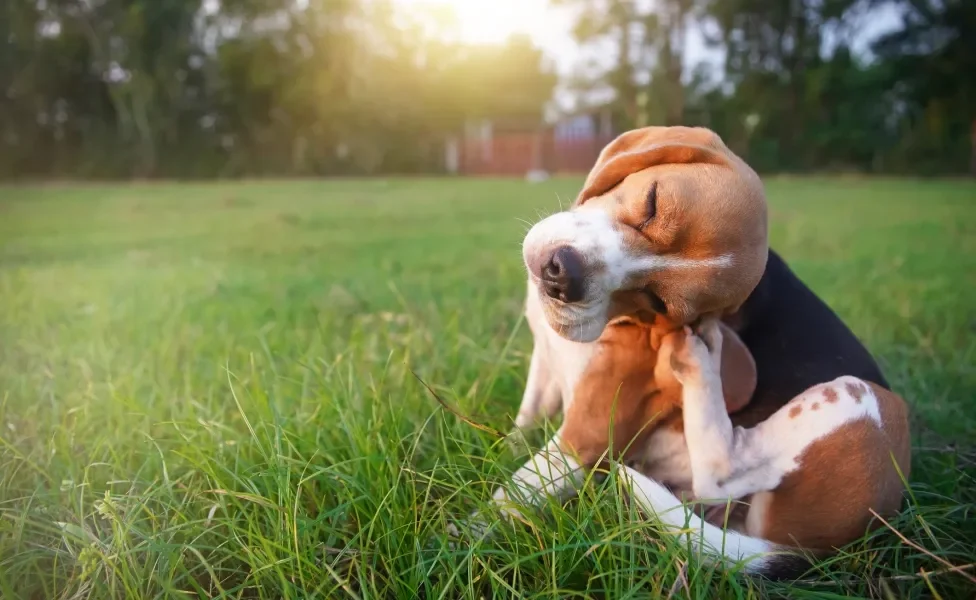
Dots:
pixel 205 391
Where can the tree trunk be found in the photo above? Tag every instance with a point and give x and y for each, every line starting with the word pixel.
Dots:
pixel 972 149
pixel 626 89
pixel 676 58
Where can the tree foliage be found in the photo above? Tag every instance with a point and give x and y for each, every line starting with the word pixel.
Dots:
pixel 794 95
pixel 203 88
pixel 238 87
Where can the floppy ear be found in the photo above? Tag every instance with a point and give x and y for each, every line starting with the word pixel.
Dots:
pixel 739 377
pixel 640 149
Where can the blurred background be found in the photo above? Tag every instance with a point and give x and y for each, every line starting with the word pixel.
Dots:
pixel 234 88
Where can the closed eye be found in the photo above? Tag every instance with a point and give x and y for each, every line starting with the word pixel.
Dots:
pixel 657 304
pixel 651 206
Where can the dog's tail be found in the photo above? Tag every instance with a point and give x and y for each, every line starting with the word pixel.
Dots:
pixel 714 544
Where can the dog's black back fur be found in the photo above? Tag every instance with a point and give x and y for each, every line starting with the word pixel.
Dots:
pixel 796 340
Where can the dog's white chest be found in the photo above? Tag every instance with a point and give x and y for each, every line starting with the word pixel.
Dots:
pixel 664 458
pixel 570 360
pixel 562 360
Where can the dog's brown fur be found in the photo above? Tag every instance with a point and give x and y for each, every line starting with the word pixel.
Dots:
pixel 626 392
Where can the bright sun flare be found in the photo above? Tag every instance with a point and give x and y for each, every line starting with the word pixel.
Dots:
pixel 493 21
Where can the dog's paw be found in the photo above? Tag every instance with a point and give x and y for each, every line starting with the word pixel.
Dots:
pixel 710 333
pixel 694 356
pixel 526 420
pixel 480 524
pixel 475 527
pixel 516 440
pixel 453 531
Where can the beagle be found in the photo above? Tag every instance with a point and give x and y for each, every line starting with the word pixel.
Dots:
pixel 779 406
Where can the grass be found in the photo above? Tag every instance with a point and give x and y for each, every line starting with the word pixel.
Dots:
pixel 205 391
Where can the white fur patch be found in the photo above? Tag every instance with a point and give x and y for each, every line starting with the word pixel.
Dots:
pixel 543 395
pixel 657 263
pixel 664 458
pixel 713 543
pixel 782 439
pixel 548 473
pixel 563 362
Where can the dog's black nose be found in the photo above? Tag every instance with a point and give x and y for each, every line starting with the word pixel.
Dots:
pixel 562 276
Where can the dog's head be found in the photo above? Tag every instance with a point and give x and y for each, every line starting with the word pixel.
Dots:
pixel 670 223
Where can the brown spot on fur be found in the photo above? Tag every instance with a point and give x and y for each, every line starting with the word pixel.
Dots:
pixel 795 411
pixel 830 395
pixel 855 462
pixel 856 390
pixel 816 406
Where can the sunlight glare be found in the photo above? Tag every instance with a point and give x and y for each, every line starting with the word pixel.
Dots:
pixel 494 21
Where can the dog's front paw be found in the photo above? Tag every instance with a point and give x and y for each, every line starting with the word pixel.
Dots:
pixel 710 333
pixel 479 526
pixel 474 527
pixel 695 357
pixel 516 439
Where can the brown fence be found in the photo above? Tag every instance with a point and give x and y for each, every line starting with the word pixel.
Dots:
pixel 506 154
pixel 575 155
pixel 515 154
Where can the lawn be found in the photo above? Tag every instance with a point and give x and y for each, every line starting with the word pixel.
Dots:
pixel 206 391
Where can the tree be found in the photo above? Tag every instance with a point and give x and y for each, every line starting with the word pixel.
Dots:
pixel 645 72
pixel 142 51
pixel 932 69
pixel 177 88
pixel 770 49
pixel 191 88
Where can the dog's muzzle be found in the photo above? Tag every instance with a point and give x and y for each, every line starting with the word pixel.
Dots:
pixel 562 275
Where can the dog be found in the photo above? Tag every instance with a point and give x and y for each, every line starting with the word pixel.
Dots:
pixel 670 229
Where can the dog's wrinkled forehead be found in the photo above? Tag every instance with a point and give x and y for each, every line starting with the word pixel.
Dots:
pixel 683 198
pixel 643 148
